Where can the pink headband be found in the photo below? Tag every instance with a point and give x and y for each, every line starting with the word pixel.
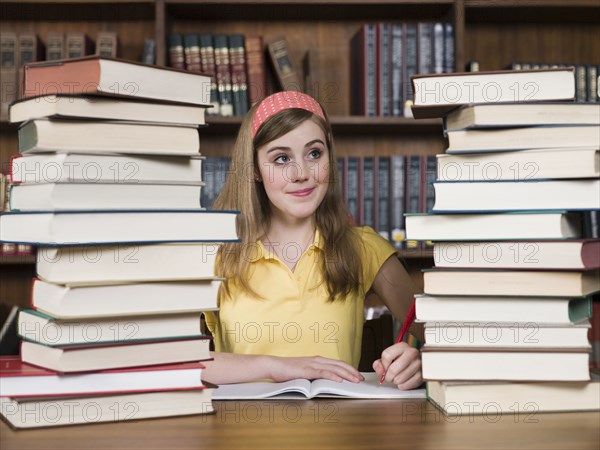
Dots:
pixel 284 100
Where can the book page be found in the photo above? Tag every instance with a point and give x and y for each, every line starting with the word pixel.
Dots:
pixel 299 388
pixel 370 388
pixel 304 389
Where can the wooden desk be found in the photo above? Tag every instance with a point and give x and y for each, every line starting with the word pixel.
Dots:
pixel 323 423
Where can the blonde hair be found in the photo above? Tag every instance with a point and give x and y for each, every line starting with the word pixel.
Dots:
pixel 340 263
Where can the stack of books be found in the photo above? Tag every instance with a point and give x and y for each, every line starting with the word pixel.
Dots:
pixel 108 187
pixel 517 256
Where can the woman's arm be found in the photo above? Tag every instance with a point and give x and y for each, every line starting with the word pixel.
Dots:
pixel 400 362
pixel 228 368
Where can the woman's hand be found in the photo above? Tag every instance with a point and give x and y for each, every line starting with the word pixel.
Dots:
pixel 401 365
pixel 311 368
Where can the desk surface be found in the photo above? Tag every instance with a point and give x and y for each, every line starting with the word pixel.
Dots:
pixel 323 423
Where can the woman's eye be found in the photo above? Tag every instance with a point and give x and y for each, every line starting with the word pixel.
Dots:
pixel 281 159
pixel 315 154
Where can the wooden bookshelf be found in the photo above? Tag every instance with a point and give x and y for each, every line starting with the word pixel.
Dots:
pixel 495 33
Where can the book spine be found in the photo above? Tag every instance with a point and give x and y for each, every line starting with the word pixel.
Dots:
pixel 78 44
pixel 191 51
pixel 239 84
pixel 352 163
pixel 438 47
pixel 592 83
pixel 430 177
pixel 55 46
pixel 284 65
pixel 383 196
pixel 410 62
pixel 448 48
pixel 580 83
pixel 223 73
pixel 107 44
pixel 30 49
pixel 397 61
pixel 424 47
pixel 207 57
pixel 176 53
pixel 368 191
pixel 149 52
pixel 357 72
pixel 397 189
pixel 370 100
pixel 341 173
pixel 8 71
pixel 383 70
pixel 255 62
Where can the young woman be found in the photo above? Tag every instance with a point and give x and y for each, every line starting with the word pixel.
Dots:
pixel 292 303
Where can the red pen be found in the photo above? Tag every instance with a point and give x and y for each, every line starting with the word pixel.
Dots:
pixel 410 318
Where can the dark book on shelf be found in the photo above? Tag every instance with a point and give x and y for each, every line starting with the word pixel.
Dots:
pixel 107 44
pixel 255 63
pixel 239 82
pixel 363 75
pixel 9 61
pixel 78 44
pixel 285 67
pixel 176 52
pixel 191 50
pixel 55 45
pixel 223 75
pixel 207 60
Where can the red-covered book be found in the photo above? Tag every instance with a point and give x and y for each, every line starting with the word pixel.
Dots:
pixel 19 379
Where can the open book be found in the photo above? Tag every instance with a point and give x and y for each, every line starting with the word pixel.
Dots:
pixel 305 389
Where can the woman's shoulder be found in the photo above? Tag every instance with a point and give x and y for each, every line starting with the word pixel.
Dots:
pixel 370 238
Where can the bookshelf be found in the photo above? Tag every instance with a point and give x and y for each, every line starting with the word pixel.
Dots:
pixel 495 33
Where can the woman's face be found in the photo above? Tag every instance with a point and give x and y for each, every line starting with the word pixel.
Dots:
pixel 295 171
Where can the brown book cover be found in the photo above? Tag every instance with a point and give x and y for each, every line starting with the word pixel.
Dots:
pixel 107 44
pixel 285 68
pixel 255 63
pixel 8 71
pixel 78 44
pixel 115 77
pixel 55 45
pixel 239 83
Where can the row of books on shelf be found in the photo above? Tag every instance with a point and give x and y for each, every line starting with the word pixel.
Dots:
pixel 115 317
pixel 384 57
pixel 586 78
pixel 508 305
pixel 18 49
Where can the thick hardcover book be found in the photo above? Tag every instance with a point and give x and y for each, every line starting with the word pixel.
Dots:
pixel 383 197
pixel 116 78
pixel 77 45
pixel 239 83
pixel 460 398
pixel 537 283
pixel 19 379
pixel 107 408
pixel 528 195
pixel 383 61
pixel 85 358
pixel 223 74
pixel 425 48
pixel 411 64
pixel 572 254
pixel 255 62
pixel 102 108
pixel 437 94
pixel 43 135
pixel 107 44
pixel 448 48
pixel 397 69
pixel 101 295
pixel 95 227
pixel 353 186
pixel 367 191
pixel 285 67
